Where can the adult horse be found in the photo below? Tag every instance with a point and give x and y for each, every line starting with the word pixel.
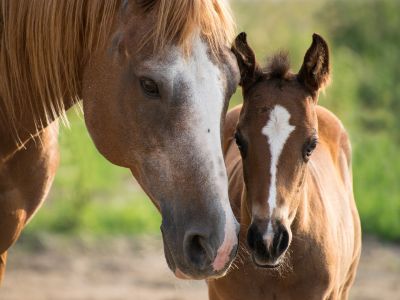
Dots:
pixel 155 77
pixel 291 184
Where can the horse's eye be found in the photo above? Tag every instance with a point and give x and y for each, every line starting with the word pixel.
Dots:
pixel 309 147
pixel 241 144
pixel 149 87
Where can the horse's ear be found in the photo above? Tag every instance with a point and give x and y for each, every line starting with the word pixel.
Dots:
pixel 246 60
pixel 315 71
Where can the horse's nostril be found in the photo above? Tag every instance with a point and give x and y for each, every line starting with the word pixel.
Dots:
pixel 259 248
pixel 255 241
pixel 266 247
pixel 252 237
pixel 198 251
pixel 281 242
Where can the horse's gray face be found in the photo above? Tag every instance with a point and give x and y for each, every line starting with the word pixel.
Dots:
pixel 161 117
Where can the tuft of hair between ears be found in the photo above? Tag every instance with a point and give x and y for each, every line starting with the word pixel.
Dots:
pixel 278 65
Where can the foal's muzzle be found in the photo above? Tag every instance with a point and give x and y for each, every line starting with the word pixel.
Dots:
pixel 268 246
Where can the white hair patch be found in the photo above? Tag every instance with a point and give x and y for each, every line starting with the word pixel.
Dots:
pixel 277 130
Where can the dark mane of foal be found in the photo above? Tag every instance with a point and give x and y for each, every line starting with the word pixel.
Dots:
pixel 278 66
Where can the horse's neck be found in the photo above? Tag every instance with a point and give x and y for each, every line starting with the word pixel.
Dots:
pixel 245 217
pixel 326 180
pixel 302 214
pixel 311 208
pixel 27 128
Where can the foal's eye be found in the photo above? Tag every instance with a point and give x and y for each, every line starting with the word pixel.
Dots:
pixel 309 147
pixel 149 87
pixel 241 144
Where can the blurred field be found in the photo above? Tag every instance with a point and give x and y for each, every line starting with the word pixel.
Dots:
pixel 90 196
pixel 123 269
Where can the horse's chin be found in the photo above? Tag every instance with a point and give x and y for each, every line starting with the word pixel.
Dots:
pixel 181 275
pixel 266 265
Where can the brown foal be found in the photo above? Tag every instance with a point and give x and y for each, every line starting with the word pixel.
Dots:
pixel 290 183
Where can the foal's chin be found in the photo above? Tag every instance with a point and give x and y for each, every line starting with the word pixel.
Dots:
pixel 266 264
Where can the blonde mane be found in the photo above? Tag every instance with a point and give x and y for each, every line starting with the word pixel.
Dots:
pixel 178 20
pixel 45 44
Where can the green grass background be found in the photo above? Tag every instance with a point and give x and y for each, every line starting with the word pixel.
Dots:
pixel 90 196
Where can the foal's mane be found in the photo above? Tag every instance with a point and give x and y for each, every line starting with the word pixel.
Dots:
pixel 278 66
pixel 44 45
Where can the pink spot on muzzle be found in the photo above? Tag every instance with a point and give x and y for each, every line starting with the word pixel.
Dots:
pixel 224 252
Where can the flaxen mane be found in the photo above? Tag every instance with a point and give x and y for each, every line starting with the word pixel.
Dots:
pixel 43 46
pixel 178 20
pixel 45 43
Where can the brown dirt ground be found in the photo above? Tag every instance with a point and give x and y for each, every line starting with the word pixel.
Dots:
pixel 123 269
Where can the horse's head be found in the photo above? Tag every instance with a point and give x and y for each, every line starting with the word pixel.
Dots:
pixel 156 106
pixel 277 133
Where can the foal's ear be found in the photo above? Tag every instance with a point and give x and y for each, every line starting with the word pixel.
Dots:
pixel 246 59
pixel 315 71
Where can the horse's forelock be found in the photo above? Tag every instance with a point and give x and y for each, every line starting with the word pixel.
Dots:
pixel 178 20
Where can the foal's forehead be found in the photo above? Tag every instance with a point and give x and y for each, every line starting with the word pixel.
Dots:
pixel 261 100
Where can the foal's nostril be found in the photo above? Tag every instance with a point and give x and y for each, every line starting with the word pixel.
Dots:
pixel 281 242
pixel 256 242
pixel 198 251
pixel 264 250
pixel 251 237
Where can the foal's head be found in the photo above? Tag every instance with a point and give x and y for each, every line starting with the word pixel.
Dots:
pixel 277 133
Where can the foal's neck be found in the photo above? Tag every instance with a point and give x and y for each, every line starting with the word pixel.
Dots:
pixel 301 214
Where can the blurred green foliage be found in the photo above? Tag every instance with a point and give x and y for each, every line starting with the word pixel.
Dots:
pixel 90 195
pixel 366 34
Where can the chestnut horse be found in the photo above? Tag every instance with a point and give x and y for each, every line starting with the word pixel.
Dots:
pixel 291 183
pixel 155 78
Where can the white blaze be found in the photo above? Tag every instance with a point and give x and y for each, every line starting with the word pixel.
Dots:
pixel 208 92
pixel 202 79
pixel 277 130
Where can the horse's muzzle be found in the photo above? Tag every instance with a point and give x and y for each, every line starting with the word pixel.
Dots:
pixel 203 255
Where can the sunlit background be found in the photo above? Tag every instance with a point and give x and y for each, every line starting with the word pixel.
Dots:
pixel 91 197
